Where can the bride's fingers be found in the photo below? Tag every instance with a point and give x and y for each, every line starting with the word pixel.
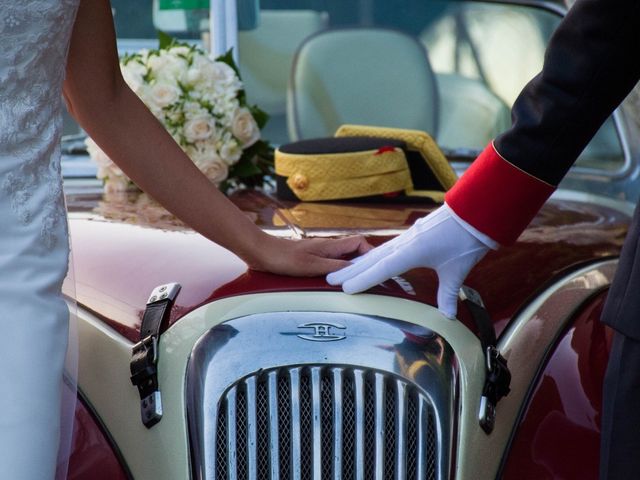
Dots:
pixel 336 248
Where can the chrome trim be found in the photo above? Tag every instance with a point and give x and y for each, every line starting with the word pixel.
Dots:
pixel 316 423
pixel 401 430
pixel 232 454
pixel 560 10
pixel 274 432
pixel 588 198
pixel 359 389
pixel 379 431
pixel 252 428
pixel 337 423
pixel 296 463
pixel 380 366
pixel 421 466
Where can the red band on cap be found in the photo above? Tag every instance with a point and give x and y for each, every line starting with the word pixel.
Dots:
pixel 382 150
pixel 497 198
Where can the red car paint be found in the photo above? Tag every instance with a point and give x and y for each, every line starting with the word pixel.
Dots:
pixel 92 455
pixel 120 255
pixel 559 434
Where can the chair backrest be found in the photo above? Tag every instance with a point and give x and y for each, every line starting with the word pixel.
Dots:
pixel 266 53
pixel 265 58
pixel 365 76
pixel 470 114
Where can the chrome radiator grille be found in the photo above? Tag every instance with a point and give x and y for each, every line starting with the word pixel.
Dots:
pixel 325 422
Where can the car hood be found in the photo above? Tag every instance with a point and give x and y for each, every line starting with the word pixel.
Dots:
pixel 124 245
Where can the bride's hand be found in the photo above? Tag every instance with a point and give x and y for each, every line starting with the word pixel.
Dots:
pixel 308 257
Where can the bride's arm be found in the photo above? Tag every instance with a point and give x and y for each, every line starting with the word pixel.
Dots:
pixel 123 127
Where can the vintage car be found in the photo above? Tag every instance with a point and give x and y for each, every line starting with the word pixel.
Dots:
pixel 258 376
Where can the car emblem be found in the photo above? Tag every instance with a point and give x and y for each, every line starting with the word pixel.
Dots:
pixel 322 332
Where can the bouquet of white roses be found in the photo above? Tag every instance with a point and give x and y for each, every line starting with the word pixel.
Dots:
pixel 202 104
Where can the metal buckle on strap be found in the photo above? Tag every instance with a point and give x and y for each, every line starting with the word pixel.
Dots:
pixel 497 375
pixel 144 375
pixel 144 360
pixel 496 386
pixel 144 355
pixel 487 416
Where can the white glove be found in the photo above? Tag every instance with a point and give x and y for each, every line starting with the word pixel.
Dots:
pixel 440 241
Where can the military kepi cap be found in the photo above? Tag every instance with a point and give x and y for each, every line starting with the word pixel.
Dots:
pixel 364 163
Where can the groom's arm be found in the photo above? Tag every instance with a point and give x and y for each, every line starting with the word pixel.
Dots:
pixel 590 66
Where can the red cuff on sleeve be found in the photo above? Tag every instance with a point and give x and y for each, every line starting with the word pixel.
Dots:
pixel 496 197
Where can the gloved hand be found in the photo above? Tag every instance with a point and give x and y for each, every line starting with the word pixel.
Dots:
pixel 439 241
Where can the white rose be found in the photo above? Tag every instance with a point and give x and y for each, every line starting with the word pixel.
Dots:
pixel 193 109
pixel 229 109
pixel 116 184
pixel 171 119
pixel 157 62
pixel 230 152
pixel 217 172
pixel 202 62
pixel 180 50
pixel 220 73
pixel 133 79
pixel 167 68
pixel 202 153
pixel 193 75
pixel 174 69
pixel 136 65
pixel 223 73
pixel 208 162
pixel 200 127
pixel 143 89
pixel 245 128
pixel 162 94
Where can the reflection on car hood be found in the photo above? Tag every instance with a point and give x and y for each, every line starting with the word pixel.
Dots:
pixel 125 245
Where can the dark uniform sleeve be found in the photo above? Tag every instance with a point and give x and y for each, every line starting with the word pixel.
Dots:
pixel 591 64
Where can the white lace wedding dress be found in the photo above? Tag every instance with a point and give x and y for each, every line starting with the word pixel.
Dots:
pixel 34 38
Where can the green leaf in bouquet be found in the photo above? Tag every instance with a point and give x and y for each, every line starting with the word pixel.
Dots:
pixel 261 148
pixel 186 89
pixel 242 97
pixel 260 154
pixel 164 40
pixel 244 169
pixel 127 57
pixel 260 116
pixel 228 59
pixel 225 186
